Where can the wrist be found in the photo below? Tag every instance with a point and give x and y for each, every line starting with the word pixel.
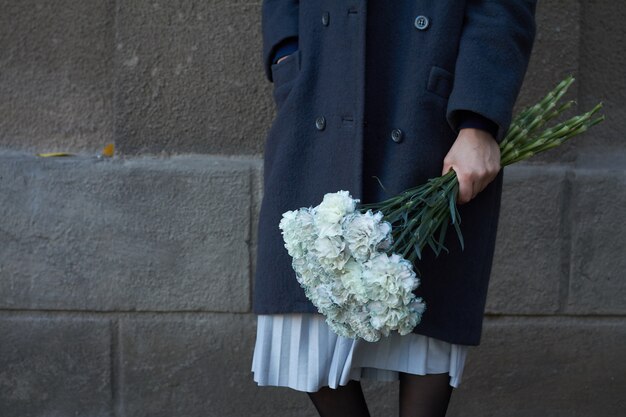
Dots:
pixel 478 135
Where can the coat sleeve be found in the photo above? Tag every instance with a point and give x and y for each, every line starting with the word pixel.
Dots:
pixel 279 22
pixel 494 51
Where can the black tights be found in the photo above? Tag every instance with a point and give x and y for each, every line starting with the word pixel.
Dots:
pixel 424 396
pixel 420 396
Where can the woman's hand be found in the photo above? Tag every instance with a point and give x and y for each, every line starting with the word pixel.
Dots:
pixel 475 157
pixel 281 58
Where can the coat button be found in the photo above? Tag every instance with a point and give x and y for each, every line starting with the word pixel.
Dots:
pixel 320 123
pixel 396 135
pixel 325 18
pixel 421 22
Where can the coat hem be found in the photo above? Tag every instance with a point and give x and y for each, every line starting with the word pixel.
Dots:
pixel 303 308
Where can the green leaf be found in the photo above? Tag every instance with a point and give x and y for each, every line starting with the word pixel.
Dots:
pixel 452 206
pixel 442 234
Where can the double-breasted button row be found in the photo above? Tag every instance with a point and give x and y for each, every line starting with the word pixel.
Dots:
pixel 320 123
pixel 422 22
pixel 396 134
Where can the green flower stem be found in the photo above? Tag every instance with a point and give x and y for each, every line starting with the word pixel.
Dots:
pixel 420 215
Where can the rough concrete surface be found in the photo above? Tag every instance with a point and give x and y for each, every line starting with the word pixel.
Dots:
pixel 527 270
pixel 144 234
pixel 598 257
pixel 189 77
pixel 56 74
pixel 196 367
pixel 545 366
pixel 54 366
pixel 602 46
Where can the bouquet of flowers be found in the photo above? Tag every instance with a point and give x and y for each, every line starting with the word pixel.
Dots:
pixel 340 261
pixel 354 260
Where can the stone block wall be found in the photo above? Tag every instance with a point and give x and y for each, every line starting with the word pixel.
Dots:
pixel 125 283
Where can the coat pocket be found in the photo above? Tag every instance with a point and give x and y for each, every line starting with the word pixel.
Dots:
pixel 440 82
pixel 284 75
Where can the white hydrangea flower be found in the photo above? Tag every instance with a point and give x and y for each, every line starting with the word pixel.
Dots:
pixel 342 329
pixel 332 252
pixel 309 272
pixel 306 226
pixel 392 274
pixel 364 232
pixel 331 211
pixel 352 279
pixel 298 231
pixel 339 259
pixel 288 225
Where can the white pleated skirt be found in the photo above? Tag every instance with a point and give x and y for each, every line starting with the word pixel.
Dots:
pixel 300 351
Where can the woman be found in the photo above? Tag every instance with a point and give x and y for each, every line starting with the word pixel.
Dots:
pixel 372 93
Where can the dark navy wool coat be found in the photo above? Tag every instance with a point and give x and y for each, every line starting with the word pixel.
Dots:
pixel 376 88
